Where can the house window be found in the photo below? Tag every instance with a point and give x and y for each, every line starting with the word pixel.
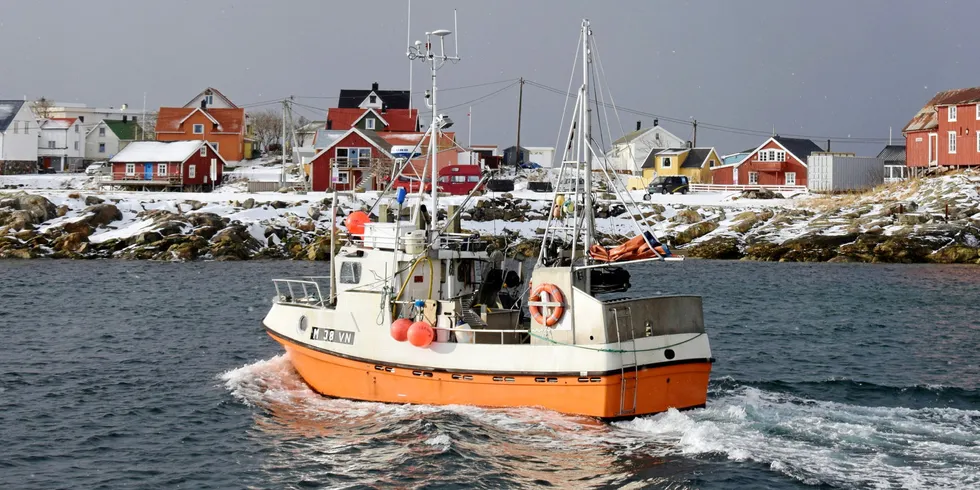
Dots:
pixel 76 130
pixel 354 156
pixel 369 123
pixel 374 99
pixel 198 129
pixel 101 147
pixel 162 169
pixel 952 142
pixel 790 178
pixel 753 178
pixel 215 145
pixel 978 112
pixel 191 171
pixel 952 113
pixel 763 156
pixel 978 140
pixel 341 178
pixel 204 150
pixel 50 144
pixel 350 272
pixel 76 145
pixel 130 169
pixel 711 163
pixel 16 126
pixel 209 99
pixel 101 131
pixel 665 163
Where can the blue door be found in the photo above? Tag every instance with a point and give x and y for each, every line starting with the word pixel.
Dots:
pixel 148 171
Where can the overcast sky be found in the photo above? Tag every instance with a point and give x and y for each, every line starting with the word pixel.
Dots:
pixel 840 68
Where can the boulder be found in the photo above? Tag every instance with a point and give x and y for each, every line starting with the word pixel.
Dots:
pixel 39 208
pixel 955 254
pixel 102 214
pixel 62 210
pixel 17 220
pixel 903 249
pixel 93 200
pixel 687 216
pixel 207 219
pixel 70 242
pixel 694 232
pixel 79 226
pixel 815 248
pixel 721 247
pixel 249 203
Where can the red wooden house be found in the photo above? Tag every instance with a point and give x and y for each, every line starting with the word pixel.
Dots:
pixel 375 110
pixel 358 158
pixel 224 128
pixel 945 131
pixel 174 165
pixel 777 161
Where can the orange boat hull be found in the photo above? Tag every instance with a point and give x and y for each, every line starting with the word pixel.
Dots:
pixel 655 389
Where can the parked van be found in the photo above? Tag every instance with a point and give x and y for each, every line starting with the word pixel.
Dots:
pixel 459 180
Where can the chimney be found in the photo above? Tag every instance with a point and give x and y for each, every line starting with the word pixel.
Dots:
pixel 204 104
pixel 637 125
pixel 690 144
pixel 134 119
pixel 329 124
pixel 656 122
pixel 374 86
pixel 384 108
pixel 125 118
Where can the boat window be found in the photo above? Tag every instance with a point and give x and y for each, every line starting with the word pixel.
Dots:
pixel 350 272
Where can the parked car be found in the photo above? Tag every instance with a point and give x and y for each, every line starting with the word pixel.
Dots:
pixel 97 168
pixel 668 184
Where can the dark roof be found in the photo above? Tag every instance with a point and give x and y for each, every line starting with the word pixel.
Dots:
pixel 696 158
pixel 651 158
pixel 394 99
pixel 893 153
pixel 800 148
pixel 123 130
pixel 8 111
pixel 376 138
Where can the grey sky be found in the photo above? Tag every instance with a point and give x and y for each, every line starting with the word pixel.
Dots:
pixel 827 68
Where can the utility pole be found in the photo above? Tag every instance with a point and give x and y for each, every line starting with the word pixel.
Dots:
pixel 469 132
pixel 282 147
pixel 695 144
pixel 520 106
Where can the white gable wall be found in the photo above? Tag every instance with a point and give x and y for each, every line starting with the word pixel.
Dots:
pixel 630 156
pixel 21 145
pixel 94 139
pixel 214 101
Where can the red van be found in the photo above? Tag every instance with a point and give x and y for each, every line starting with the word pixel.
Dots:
pixel 459 180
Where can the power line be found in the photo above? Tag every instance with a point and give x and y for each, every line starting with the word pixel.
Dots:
pixel 718 127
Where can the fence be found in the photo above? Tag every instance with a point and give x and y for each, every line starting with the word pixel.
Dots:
pixel 729 188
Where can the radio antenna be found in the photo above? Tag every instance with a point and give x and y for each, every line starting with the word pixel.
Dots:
pixel 456 30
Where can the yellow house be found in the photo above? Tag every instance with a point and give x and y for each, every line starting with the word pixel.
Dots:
pixel 695 163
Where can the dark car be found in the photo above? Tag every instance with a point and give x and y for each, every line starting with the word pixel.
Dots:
pixel 667 185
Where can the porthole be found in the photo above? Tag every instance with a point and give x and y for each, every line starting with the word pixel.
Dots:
pixel 303 323
pixel 669 353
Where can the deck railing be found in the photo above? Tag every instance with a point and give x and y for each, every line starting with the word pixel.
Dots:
pixel 749 187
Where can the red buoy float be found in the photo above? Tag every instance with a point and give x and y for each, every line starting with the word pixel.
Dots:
pixel 355 223
pixel 399 329
pixel 421 334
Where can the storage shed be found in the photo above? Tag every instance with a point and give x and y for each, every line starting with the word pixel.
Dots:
pixel 829 172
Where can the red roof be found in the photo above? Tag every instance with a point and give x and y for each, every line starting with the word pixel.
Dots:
pixel 928 118
pixel 229 120
pixel 69 120
pixel 398 119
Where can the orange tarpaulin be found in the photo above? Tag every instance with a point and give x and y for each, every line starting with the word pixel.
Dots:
pixel 635 248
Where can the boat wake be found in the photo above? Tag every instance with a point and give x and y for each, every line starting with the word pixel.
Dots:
pixel 810 440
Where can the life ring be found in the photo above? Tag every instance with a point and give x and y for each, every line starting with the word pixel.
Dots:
pixel 556 296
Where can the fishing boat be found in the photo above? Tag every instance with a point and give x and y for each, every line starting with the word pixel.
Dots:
pixel 416 311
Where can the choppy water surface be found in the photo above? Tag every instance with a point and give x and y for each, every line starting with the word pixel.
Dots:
pixel 125 374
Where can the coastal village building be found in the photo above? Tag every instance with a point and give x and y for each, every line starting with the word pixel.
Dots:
pixel 351 160
pixel 106 138
pixel 88 116
pixel 945 131
pixel 211 117
pixel 176 165
pixel 693 163
pixel 777 161
pixel 19 134
pixel 375 109
pixel 628 153
pixel 61 145
pixel 893 157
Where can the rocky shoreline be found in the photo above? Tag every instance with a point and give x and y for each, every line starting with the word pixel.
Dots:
pixel 933 221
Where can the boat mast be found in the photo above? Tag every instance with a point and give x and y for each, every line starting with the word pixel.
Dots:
pixel 585 133
pixel 438 122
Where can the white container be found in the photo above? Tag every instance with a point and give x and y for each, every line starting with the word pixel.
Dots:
pixel 841 173
pixel 464 334
pixel 414 242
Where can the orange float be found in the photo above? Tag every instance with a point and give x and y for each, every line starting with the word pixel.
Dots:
pixel 399 329
pixel 536 310
pixel 355 222
pixel 421 334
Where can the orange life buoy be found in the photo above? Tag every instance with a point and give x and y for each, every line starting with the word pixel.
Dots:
pixel 556 296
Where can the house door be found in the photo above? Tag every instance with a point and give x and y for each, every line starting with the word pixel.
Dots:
pixel 790 178
pixel 148 171
pixel 933 149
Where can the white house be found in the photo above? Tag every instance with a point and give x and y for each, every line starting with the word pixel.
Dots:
pixel 629 152
pixel 61 145
pixel 108 138
pixel 18 137
pixel 88 116
pixel 541 155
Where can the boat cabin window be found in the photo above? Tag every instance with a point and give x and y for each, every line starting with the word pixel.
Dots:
pixel 350 272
